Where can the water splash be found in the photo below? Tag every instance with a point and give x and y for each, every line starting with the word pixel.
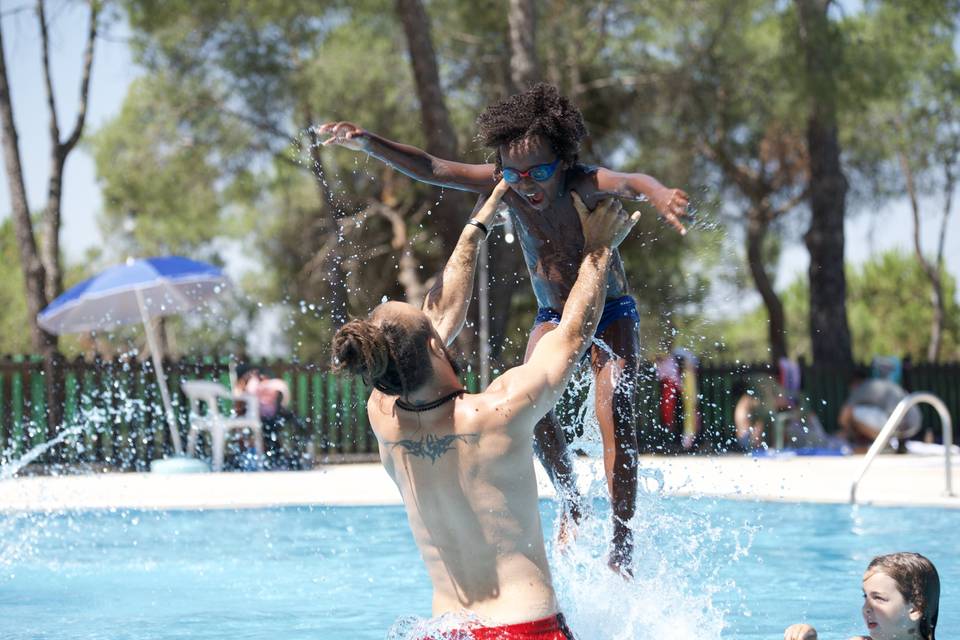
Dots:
pixel 98 413
pixel 681 550
pixel 11 469
pixel 439 628
pixel 19 534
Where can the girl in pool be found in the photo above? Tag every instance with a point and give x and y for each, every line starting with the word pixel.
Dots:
pixel 901 600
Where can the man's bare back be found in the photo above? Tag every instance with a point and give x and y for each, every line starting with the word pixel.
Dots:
pixel 466 480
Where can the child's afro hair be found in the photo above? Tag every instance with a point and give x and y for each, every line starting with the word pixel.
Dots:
pixel 540 110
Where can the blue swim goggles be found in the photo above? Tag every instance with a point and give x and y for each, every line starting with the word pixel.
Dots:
pixel 540 172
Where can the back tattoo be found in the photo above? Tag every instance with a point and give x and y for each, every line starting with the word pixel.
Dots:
pixel 431 446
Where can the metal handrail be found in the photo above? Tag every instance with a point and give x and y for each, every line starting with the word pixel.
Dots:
pixel 894 421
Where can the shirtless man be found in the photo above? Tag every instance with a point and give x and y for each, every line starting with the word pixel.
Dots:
pixel 464 462
pixel 536 136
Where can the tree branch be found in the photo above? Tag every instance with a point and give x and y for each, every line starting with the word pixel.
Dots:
pixel 47 79
pixel 256 123
pixel 745 178
pixel 790 204
pixel 71 142
pixel 950 183
pixel 914 207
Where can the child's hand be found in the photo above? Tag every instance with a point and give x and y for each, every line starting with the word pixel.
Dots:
pixel 672 205
pixel 345 134
pixel 800 632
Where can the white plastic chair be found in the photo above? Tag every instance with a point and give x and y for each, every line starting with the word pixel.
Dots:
pixel 218 423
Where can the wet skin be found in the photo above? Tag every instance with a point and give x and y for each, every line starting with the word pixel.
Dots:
pixel 615 401
pixel 548 226
pixel 886 613
pixel 552 241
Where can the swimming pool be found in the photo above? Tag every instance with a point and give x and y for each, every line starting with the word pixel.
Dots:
pixel 707 568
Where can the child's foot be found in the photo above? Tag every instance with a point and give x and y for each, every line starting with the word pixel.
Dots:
pixel 620 559
pixel 568 526
pixel 619 567
pixel 566 531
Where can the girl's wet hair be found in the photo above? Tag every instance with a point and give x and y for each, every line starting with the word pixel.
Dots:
pixel 918 583
pixel 392 356
pixel 540 110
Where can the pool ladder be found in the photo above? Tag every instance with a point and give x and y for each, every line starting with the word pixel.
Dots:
pixel 893 421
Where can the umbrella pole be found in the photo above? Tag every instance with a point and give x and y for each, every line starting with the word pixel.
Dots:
pixel 161 377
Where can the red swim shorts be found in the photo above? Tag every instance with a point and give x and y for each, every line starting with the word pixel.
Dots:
pixel 552 628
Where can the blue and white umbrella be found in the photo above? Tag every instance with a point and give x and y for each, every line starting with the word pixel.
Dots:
pixel 136 292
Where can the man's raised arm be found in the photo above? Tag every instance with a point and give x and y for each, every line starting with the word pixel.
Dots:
pixel 414 162
pixel 447 302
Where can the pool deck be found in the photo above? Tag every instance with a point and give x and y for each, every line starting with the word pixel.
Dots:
pixel 892 481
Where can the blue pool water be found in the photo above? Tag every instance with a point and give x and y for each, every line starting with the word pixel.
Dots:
pixel 706 568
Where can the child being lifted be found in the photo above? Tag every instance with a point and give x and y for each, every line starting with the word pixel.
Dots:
pixel 536 137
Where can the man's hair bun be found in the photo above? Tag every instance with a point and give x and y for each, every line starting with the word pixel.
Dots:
pixel 361 348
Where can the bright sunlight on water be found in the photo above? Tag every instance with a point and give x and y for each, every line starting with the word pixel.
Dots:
pixel 706 569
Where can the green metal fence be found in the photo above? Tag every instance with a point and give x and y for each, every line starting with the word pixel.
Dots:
pixel 116 407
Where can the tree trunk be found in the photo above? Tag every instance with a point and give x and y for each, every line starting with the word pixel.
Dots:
pixel 932 271
pixel 757 228
pixel 829 330
pixel 50 241
pixel 524 70
pixel 32 267
pixel 437 128
pixel 441 138
pixel 60 150
pixel 936 335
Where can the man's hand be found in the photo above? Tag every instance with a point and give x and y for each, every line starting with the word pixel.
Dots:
pixel 800 632
pixel 672 205
pixel 606 226
pixel 345 134
pixel 487 212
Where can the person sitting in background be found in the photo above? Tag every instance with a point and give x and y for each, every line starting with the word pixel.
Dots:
pixel 901 600
pixel 767 416
pixel 869 405
pixel 282 429
pixel 754 412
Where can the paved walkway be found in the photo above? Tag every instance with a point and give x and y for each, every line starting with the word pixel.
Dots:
pixel 891 481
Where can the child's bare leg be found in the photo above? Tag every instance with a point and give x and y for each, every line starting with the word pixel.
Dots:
pixel 615 394
pixel 551 446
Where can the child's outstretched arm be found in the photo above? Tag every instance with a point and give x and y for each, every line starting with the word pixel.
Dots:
pixel 414 162
pixel 671 203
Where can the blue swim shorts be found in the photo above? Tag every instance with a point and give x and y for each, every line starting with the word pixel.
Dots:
pixel 622 307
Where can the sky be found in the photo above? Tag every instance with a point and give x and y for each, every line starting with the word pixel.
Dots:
pixel 867 233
